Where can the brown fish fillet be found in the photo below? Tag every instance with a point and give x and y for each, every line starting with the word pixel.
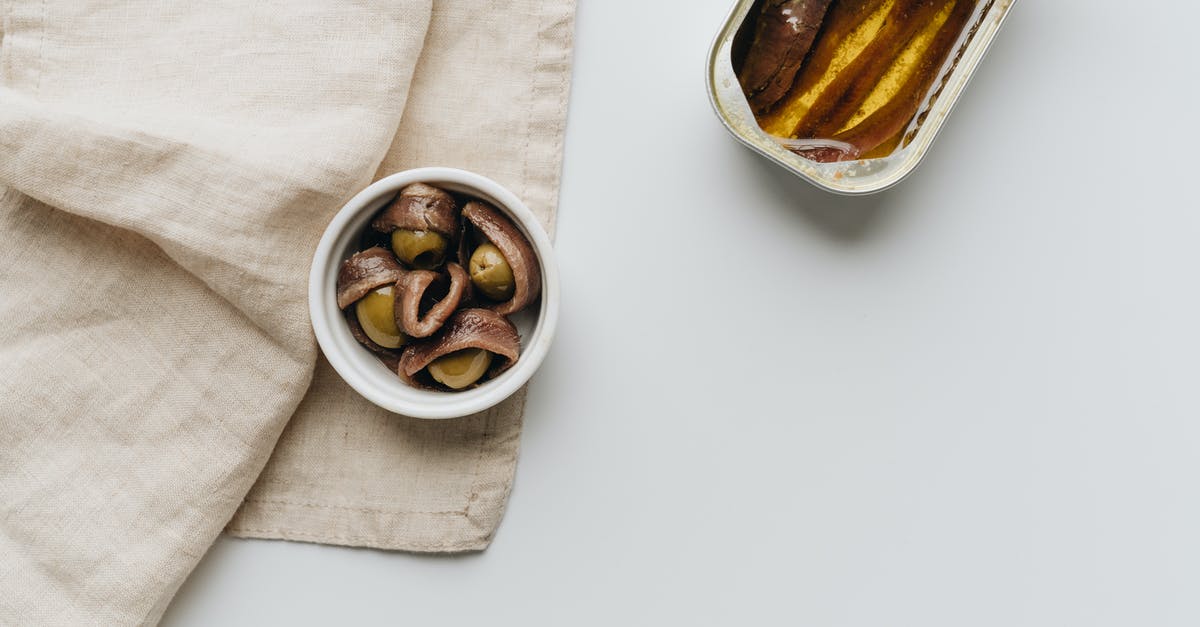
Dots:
pixel 469 328
pixel 850 88
pixel 783 35
pixel 365 271
pixel 893 117
pixel 420 207
pixel 415 290
pixel 517 251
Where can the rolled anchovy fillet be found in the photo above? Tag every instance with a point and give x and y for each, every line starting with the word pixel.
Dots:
pixel 470 328
pixel 365 271
pixel 501 232
pixel 783 35
pixel 414 292
pixel 420 207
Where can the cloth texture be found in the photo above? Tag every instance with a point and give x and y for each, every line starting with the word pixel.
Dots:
pixel 166 170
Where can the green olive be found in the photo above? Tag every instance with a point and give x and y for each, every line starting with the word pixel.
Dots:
pixel 423 250
pixel 377 316
pixel 491 273
pixel 460 368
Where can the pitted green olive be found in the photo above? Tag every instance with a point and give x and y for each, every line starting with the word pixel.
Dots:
pixel 491 273
pixel 377 315
pixel 460 368
pixel 423 250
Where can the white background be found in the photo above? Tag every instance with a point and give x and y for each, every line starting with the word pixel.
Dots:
pixel 970 401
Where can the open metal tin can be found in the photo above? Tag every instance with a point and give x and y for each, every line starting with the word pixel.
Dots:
pixel 864 176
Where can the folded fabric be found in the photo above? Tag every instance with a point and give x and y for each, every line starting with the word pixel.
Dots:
pixel 346 472
pixel 165 173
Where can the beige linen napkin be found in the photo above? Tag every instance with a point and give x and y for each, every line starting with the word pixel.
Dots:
pixel 165 172
pixel 346 472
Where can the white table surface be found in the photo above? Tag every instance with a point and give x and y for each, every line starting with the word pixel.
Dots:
pixel 973 400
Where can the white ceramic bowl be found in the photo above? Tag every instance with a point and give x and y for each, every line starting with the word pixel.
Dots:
pixel 362 370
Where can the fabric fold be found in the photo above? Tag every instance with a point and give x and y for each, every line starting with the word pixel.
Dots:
pixel 488 96
pixel 168 170
pixel 216 223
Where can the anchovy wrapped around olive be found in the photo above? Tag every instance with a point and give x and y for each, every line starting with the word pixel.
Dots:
pixel 419 309
pixel 366 290
pixel 365 271
pixel 503 267
pixel 422 222
pixel 473 346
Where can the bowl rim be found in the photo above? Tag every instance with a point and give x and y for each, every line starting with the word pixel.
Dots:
pixel 351 362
